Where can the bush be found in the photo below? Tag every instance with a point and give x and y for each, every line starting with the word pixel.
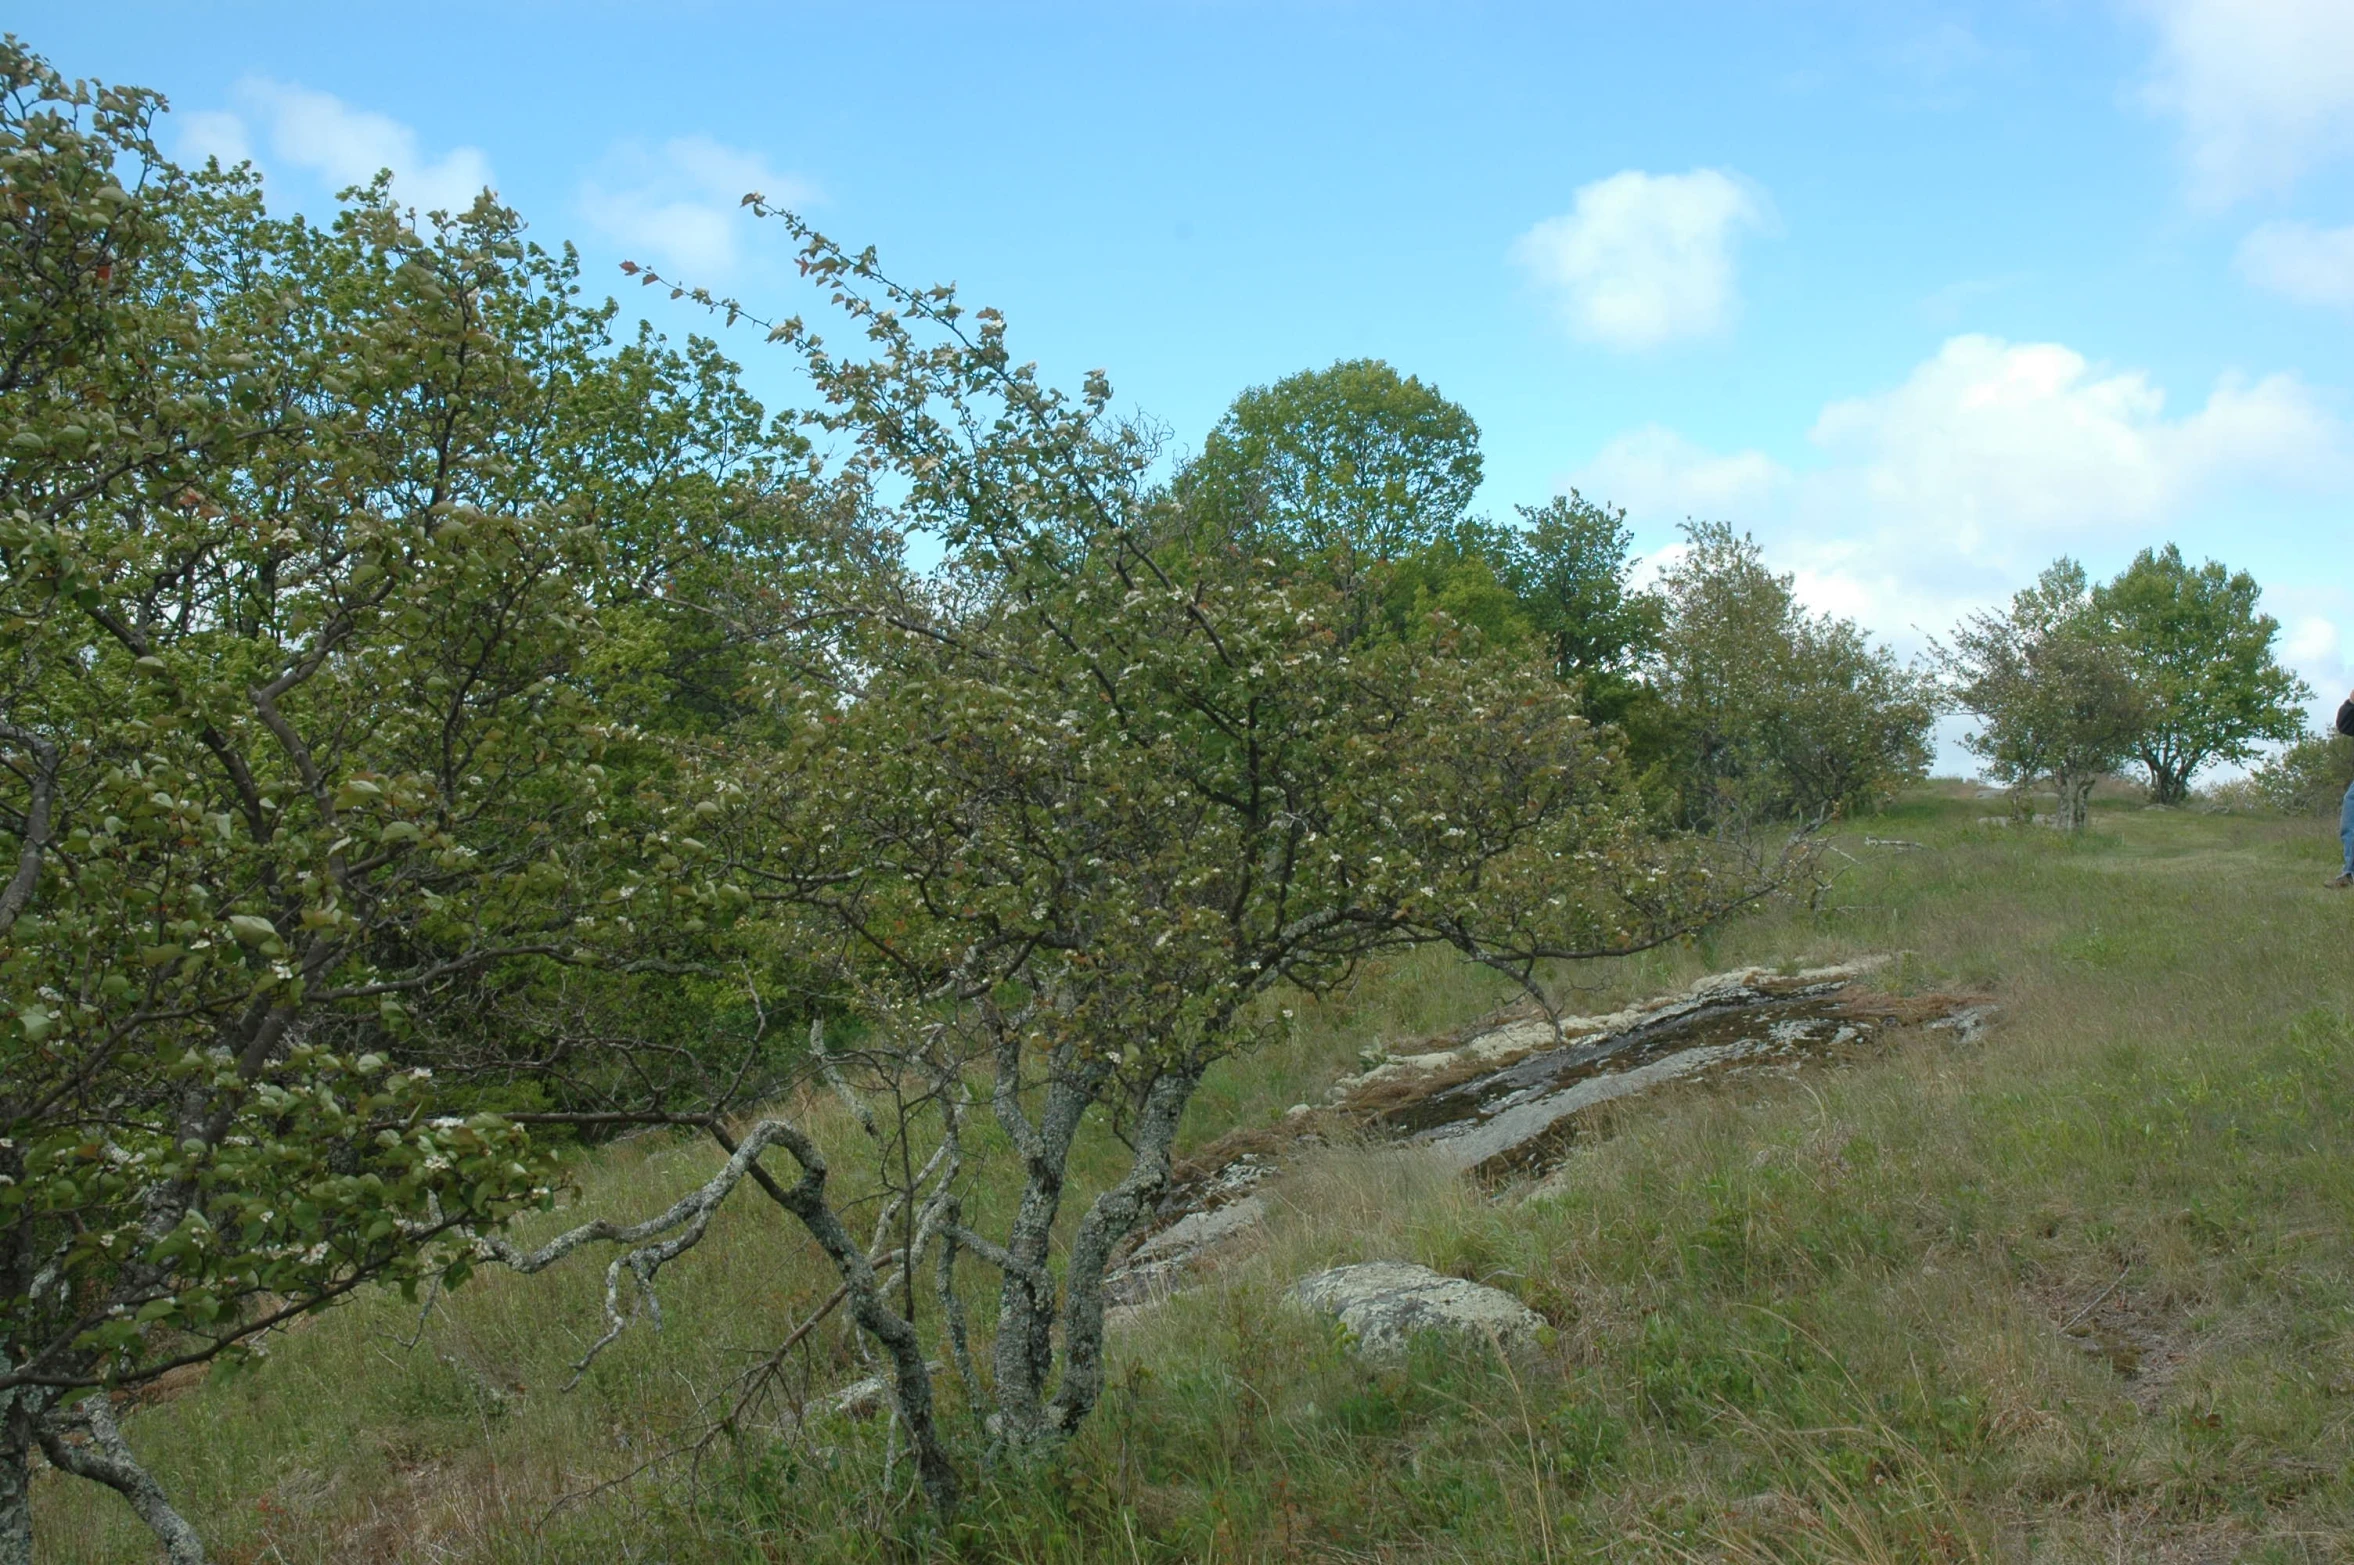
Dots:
pixel 2308 778
pixel 2054 692
pixel 1775 712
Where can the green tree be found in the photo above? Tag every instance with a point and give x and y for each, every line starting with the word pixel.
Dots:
pixel 1461 578
pixel 2053 691
pixel 1570 571
pixel 1094 799
pixel 313 547
pixel 1772 711
pixel 1352 465
pixel 2201 654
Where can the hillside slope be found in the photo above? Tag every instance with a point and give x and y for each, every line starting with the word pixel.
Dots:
pixel 2080 1290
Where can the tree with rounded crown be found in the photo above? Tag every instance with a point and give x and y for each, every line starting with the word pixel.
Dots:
pixel 2052 689
pixel 1571 569
pixel 1775 712
pixel 1352 465
pixel 2201 655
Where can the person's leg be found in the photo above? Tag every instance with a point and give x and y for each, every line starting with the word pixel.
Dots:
pixel 2346 828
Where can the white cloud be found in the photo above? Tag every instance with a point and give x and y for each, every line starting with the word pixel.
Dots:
pixel 1643 259
pixel 2298 261
pixel 680 205
pixel 2316 618
pixel 2311 639
pixel 1952 488
pixel 1654 471
pixel 322 135
pixel 342 145
pixel 213 133
pixel 1993 446
pixel 2264 88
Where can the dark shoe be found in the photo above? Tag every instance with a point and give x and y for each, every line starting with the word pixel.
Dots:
pixel 2340 881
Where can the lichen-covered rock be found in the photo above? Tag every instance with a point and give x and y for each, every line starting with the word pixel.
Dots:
pixel 1386 1304
pixel 1523 1123
pixel 1161 1265
pixel 1506 1045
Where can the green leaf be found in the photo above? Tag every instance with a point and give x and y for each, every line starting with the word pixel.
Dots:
pixel 251 930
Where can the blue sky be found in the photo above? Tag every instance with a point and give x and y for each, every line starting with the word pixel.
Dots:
pixel 1922 294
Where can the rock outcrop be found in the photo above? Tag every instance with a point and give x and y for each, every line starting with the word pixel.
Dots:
pixel 1208 1215
pixel 1502 1098
pixel 1386 1304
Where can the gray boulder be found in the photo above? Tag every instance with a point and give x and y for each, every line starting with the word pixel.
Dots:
pixel 1385 1304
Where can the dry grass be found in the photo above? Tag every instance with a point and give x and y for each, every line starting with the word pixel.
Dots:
pixel 2083 1292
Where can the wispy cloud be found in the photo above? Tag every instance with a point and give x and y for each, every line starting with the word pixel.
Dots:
pixel 1660 474
pixel 1644 259
pixel 2298 261
pixel 2264 89
pixel 679 205
pixel 212 133
pixel 289 128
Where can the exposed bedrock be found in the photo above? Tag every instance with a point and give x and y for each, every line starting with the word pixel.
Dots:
pixel 1502 1100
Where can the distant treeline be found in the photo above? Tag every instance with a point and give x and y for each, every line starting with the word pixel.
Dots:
pixel 1732 701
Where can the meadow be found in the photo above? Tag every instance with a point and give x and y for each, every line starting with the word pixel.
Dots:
pixel 2080 1291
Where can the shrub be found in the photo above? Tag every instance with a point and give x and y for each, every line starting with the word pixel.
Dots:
pixel 1776 712
pixel 2308 778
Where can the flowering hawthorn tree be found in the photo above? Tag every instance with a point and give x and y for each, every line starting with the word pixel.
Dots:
pixel 314 543
pixel 1095 795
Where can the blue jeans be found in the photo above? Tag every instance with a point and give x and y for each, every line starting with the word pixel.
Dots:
pixel 2346 827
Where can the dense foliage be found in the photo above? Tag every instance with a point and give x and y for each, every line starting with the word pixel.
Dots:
pixel 432 729
pixel 333 562
pixel 1100 786
pixel 2307 777
pixel 432 725
pixel 2201 656
pixel 2166 665
pixel 2054 692
pixel 1776 712
pixel 1354 465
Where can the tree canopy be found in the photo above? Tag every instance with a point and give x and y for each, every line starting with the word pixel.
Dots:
pixel 2053 691
pixel 1571 571
pixel 1776 712
pixel 1354 463
pixel 434 728
pixel 337 564
pixel 1095 794
pixel 2201 656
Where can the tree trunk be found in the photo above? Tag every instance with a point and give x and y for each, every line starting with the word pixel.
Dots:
pixel 911 1376
pixel 1027 1306
pixel 106 1458
pixel 20 1423
pixel 16 1495
pixel 2075 798
pixel 1109 1219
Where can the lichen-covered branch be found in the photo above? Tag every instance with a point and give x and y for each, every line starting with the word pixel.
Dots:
pixel 1110 1218
pixel 33 839
pixel 685 1223
pixel 84 1440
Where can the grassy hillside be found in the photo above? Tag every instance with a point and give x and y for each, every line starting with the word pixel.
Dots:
pixel 2083 1291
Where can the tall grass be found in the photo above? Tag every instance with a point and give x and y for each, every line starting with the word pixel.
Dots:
pixel 2082 1291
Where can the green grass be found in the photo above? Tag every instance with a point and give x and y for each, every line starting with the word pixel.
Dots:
pixel 1817 1320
